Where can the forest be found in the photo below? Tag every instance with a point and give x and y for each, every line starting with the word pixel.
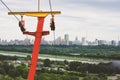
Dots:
pixel 72 71
pixel 103 51
pixel 61 70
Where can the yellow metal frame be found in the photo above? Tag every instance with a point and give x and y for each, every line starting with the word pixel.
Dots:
pixel 35 14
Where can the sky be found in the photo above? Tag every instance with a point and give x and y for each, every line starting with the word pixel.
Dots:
pixel 93 19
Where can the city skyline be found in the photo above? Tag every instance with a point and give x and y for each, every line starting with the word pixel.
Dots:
pixel 90 18
pixel 62 41
pixel 62 37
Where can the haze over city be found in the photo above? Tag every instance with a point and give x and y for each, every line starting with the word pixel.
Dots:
pixel 90 18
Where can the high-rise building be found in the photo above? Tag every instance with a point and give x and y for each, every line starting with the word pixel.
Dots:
pixel 66 38
pixel 96 41
pixel 118 43
pixel 44 42
pixel 84 42
pixel 113 43
pixel 76 41
pixel 101 42
pixel 0 41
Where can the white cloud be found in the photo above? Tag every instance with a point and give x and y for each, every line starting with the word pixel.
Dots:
pixel 79 17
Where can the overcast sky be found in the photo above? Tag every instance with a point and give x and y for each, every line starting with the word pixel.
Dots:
pixel 93 19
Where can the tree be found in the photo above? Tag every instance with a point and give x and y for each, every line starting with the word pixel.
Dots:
pixel 8 78
pixel 66 62
pixel 6 67
pixel 28 57
pixel 19 78
pixel 12 73
pixel 2 71
pixel 102 76
pixel 47 63
pixel 21 70
pixel 73 66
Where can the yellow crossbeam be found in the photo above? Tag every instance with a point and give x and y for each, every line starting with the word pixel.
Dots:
pixel 35 14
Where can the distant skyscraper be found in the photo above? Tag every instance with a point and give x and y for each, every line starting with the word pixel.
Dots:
pixel 76 41
pixel 44 42
pixel 104 42
pixel 96 42
pixel 118 43
pixel 84 41
pixel 58 41
pixel 113 43
pixel 0 41
pixel 66 38
pixel 76 38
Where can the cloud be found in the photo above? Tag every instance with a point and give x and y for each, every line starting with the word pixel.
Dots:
pixel 78 18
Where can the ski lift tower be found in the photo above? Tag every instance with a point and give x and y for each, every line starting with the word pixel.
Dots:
pixel 41 16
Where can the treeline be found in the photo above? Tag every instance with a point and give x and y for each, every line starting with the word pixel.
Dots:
pixel 2 57
pixel 17 48
pixel 93 68
pixel 104 51
pixel 81 69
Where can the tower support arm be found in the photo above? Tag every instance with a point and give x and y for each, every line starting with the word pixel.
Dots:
pixel 36 49
pixel 35 14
